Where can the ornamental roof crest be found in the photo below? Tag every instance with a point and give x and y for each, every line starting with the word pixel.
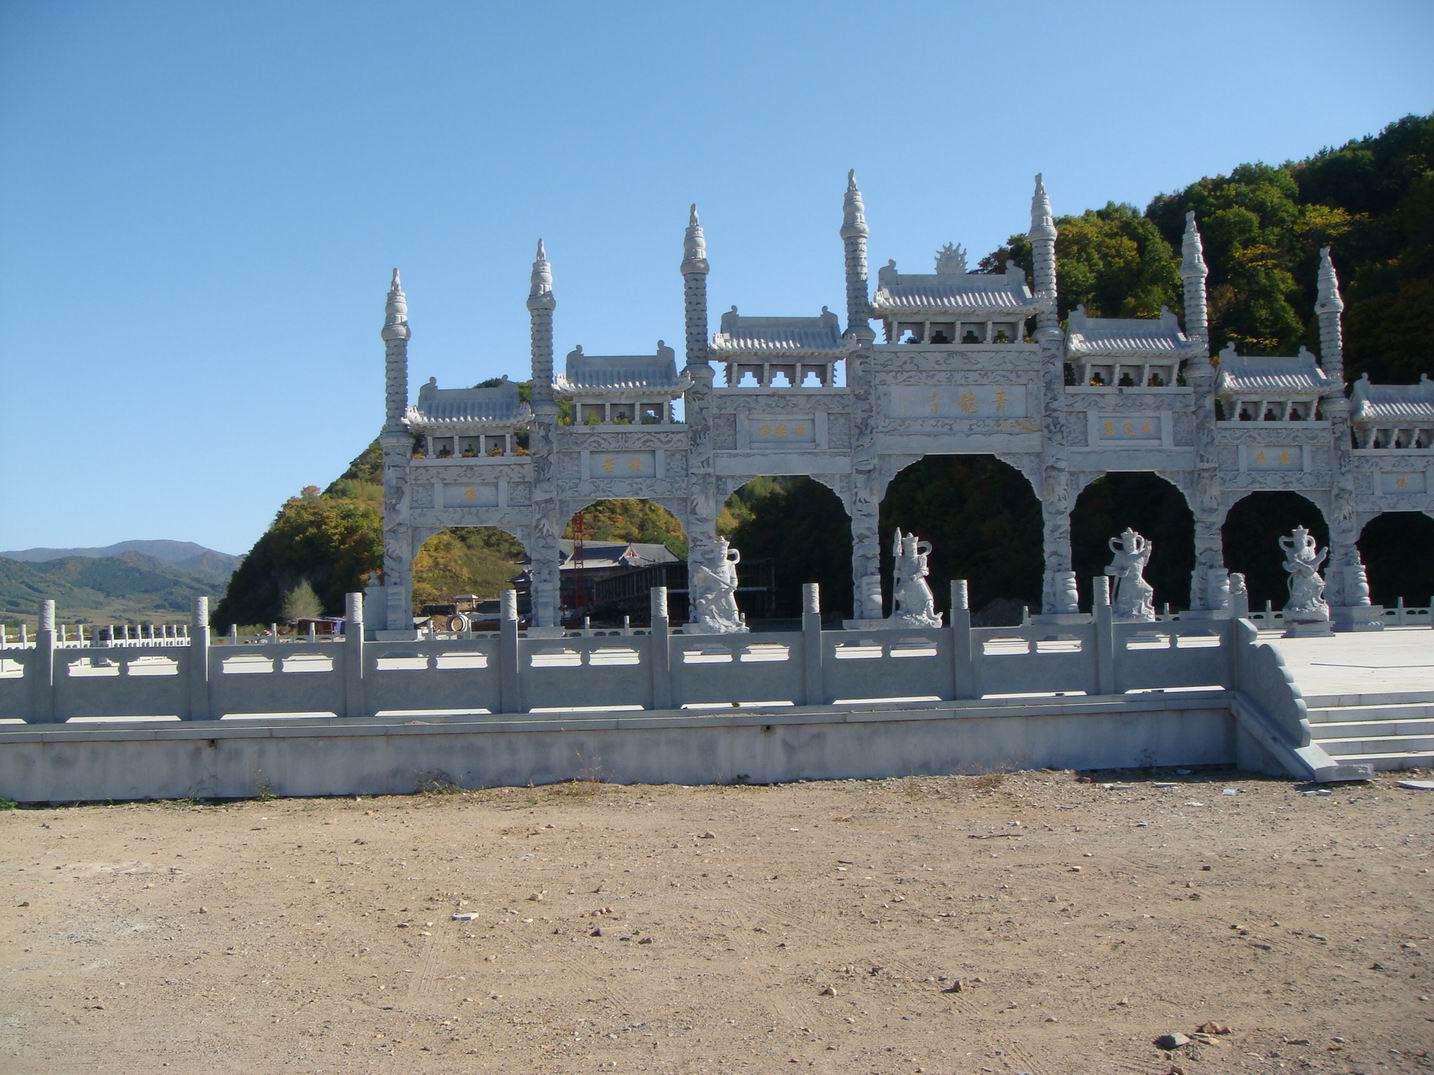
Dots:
pixel 951 260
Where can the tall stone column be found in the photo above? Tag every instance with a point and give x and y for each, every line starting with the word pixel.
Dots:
pixel 867 486
pixel 545 553
pixel 1346 587
pixel 697 410
pixel 396 445
pixel 864 505
pixel 1209 580
pixel 1058 584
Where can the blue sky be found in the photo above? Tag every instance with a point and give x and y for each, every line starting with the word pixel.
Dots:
pixel 200 203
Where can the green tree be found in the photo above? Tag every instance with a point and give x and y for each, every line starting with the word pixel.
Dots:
pixel 1113 261
pixel 301 603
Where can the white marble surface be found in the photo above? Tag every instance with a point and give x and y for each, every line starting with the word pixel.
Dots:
pixel 1393 661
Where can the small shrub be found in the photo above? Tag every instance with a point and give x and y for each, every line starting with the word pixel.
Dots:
pixel 438 784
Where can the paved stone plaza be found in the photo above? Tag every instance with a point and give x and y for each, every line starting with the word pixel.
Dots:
pixel 1395 661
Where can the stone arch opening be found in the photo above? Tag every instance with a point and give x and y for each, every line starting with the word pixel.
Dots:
pixel 1397 548
pixel 1154 508
pixel 794 529
pixel 1251 537
pixel 612 552
pixel 465 569
pixel 984 523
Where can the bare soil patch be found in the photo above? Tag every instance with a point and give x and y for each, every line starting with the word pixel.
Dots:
pixel 820 926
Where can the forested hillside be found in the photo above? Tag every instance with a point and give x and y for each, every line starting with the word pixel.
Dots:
pixel 127 588
pixel 1372 200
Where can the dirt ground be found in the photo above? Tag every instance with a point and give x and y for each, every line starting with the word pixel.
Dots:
pixel 819 926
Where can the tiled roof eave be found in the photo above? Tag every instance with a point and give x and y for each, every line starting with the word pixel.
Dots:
pixel 1022 307
pixel 631 392
pixel 1152 354
pixel 418 423
pixel 1407 414
pixel 730 353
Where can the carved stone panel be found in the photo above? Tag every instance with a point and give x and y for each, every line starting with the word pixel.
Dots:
pixel 956 401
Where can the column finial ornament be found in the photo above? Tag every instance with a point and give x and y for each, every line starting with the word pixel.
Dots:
pixel 853 217
pixel 1043 236
pixel 694 245
pixel 541 304
pixel 694 289
pixel 395 320
pixel 1192 274
pixel 395 335
pixel 854 234
pixel 540 293
pixel 1042 223
pixel 1329 307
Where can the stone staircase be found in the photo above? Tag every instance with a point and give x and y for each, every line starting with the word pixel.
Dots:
pixel 1386 730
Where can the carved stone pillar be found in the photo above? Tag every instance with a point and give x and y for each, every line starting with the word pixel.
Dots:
pixel 1058 584
pixel 1209 580
pixel 867 488
pixel 545 554
pixel 865 548
pixel 397 449
pixel 702 506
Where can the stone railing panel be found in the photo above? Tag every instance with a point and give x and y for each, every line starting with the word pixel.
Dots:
pixel 737 668
pixel 1171 654
pixel 14 687
pixel 138 681
pixel 583 673
pixel 861 665
pixel 1035 659
pixel 458 675
pixel 276 678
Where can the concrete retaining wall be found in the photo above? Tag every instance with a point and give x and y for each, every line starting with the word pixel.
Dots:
pixel 235 759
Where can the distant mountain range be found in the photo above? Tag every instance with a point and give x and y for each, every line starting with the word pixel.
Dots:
pixel 127 581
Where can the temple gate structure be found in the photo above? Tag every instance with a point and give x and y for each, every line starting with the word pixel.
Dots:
pixel 968 363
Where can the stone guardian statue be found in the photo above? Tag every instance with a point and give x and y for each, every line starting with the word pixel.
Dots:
pixel 912 605
pixel 1134 598
pixel 714 594
pixel 1306 611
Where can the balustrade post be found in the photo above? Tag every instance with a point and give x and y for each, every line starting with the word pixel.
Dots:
pixel 199 703
pixel 659 651
pixel 354 705
pixel 510 684
pixel 1239 597
pixel 40 669
pixel 963 661
pixel 1104 624
pixel 813 678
